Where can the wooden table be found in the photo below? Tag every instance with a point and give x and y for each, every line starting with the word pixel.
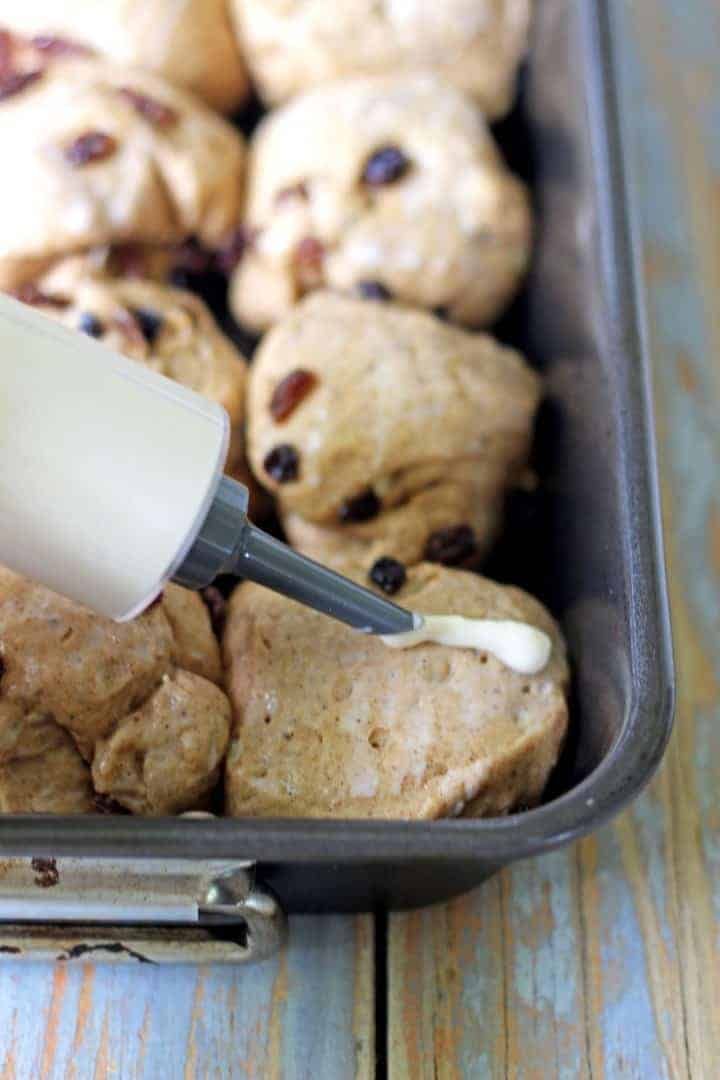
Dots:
pixel 602 960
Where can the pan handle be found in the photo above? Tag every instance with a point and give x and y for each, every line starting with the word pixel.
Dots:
pixel 139 910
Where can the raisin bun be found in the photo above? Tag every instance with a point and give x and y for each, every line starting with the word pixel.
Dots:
pixel 475 44
pixel 384 431
pixel 41 768
pixel 392 187
pixel 105 155
pixel 134 707
pixel 332 723
pixel 191 43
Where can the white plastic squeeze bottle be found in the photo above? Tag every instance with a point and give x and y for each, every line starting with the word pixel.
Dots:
pixel 111 484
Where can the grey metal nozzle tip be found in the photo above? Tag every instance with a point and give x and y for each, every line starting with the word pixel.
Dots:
pixel 227 543
pixel 267 561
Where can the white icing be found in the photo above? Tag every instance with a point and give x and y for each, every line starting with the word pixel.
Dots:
pixel 519 646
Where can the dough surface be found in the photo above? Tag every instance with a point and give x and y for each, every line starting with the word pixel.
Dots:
pixel 329 722
pixel 407 427
pixel 191 43
pixel 392 184
pixel 99 155
pixel 292 45
pixel 133 706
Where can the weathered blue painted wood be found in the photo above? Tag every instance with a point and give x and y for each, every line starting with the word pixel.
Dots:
pixel 305 1014
pixel 671 68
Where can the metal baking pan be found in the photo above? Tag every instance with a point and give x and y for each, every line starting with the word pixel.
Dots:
pixel 592 550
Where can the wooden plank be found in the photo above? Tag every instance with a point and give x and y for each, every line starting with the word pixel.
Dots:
pixel 305 1014
pixel 603 960
pixel 498 974
pixel 677 50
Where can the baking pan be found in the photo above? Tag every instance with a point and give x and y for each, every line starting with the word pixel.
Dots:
pixel 589 546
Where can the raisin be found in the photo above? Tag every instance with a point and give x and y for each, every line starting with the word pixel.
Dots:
pixel 90 324
pixel 50 45
pixel 90 146
pixel 309 258
pixel 233 249
pixel 293 192
pixel 282 463
pixel 30 294
pixel 362 507
pixel 105 804
pixel 290 392
pixel 13 84
pixel 373 290
pixel 46 872
pixel 128 326
pixel 192 266
pixel 192 256
pixel 2 667
pixel 183 278
pixel 130 260
pixel 217 608
pixel 149 321
pixel 152 110
pixel 452 545
pixel 388 574
pixel 385 166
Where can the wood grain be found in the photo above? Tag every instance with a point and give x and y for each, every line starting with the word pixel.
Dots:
pixel 307 1013
pixel 603 960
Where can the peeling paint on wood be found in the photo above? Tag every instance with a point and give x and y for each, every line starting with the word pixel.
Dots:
pixel 294 1016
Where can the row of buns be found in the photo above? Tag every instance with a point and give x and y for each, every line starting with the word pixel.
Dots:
pixel 207 46
pixel 392 185
pixel 314 720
